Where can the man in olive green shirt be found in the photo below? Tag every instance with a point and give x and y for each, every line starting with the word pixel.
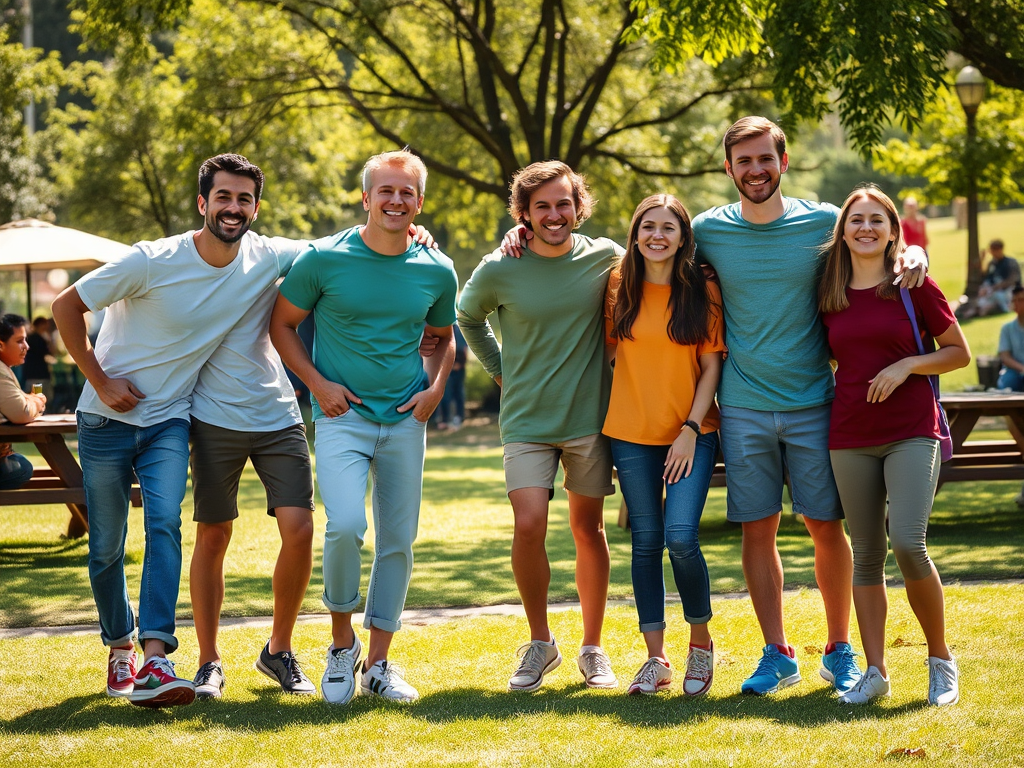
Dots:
pixel 555 383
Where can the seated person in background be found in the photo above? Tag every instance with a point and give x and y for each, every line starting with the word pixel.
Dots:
pixel 15 406
pixel 1002 275
pixel 1011 347
pixel 37 368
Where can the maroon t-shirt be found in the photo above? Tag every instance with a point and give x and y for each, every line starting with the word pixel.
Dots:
pixel 867 336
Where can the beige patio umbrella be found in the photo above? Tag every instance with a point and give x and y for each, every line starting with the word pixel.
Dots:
pixel 32 244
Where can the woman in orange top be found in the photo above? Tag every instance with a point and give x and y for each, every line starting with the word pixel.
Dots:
pixel 664 330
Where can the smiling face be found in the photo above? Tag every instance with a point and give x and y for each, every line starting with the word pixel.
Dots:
pixel 392 200
pixel 756 168
pixel 552 217
pixel 12 351
pixel 231 208
pixel 659 235
pixel 868 228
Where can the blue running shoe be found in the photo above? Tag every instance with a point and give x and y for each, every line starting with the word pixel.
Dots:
pixel 840 669
pixel 774 671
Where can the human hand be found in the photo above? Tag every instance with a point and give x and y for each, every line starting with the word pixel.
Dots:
pixel 515 240
pixel 335 399
pixel 679 462
pixel 422 404
pixel 911 267
pixel 119 395
pixel 890 377
pixel 428 345
pixel 420 235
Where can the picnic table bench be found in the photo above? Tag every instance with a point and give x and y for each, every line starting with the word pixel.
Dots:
pixel 972 460
pixel 60 482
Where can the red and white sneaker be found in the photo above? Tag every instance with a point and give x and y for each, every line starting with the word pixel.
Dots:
pixel 655 675
pixel 121 671
pixel 157 686
pixel 700 670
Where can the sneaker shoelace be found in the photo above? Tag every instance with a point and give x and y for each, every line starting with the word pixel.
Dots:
pixel 942 678
pixel 291 663
pixel 862 684
pixel 391 674
pixel 697 664
pixel 205 673
pixel 338 664
pixel 532 659
pixel 596 663
pixel 767 666
pixel 164 665
pixel 123 668
pixel 648 674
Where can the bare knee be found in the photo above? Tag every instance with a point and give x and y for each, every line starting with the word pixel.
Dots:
pixel 213 538
pixel 759 535
pixel 296 527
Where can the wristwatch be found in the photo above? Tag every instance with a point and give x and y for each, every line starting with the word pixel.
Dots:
pixel 692 425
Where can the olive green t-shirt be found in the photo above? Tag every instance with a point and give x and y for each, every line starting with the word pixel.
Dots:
pixel 555 381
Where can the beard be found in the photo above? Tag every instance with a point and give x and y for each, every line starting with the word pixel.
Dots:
pixel 213 223
pixel 761 193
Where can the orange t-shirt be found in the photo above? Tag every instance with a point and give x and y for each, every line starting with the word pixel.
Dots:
pixel 655 379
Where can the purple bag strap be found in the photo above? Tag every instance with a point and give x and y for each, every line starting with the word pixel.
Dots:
pixel 912 314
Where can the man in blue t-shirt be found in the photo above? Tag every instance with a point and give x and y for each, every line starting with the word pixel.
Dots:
pixel 776 392
pixel 371 289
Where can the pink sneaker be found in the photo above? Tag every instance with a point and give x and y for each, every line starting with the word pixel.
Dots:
pixel 157 686
pixel 121 671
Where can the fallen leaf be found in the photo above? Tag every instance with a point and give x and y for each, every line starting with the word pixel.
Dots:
pixel 905 752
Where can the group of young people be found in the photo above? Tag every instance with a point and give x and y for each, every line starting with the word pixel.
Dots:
pixel 185 347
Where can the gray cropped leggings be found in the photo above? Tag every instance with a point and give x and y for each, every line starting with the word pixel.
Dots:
pixel 907 472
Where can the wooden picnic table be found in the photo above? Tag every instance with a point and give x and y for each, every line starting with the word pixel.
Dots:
pixel 61 481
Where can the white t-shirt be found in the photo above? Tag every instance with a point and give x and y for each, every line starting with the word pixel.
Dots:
pixel 168 311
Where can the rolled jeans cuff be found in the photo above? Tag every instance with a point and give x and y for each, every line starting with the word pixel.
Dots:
pixel 371 622
pixel 119 642
pixel 653 626
pixel 169 640
pixel 348 607
pixel 700 620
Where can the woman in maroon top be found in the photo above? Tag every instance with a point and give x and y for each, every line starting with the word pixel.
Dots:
pixel 883 439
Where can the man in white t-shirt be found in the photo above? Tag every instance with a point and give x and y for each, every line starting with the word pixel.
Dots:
pixel 171 303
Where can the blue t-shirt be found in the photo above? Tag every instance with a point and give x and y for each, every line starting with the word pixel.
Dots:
pixel 370 310
pixel 778 354
pixel 1011 339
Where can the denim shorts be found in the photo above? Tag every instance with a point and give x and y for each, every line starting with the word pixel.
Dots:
pixel 759 446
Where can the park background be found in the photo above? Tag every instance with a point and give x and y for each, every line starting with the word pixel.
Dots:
pixel 102 128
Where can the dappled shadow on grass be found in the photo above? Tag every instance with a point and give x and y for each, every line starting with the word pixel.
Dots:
pixel 272 710
pixel 37 575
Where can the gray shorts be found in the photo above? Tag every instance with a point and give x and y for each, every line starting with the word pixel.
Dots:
pixel 280 458
pixel 587 462
pixel 759 445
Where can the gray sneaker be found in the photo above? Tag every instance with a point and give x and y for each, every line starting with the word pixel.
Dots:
pixel 870 686
pixel 338 685
pixel 943 682
pixel 284 669
pixel 596 668
pixel 209 681
pixel 536 659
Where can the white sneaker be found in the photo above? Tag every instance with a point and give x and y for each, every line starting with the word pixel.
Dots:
pixel 871 685
pixel 536 659
pixel 386 681
pixel 338 684
pixel 700 671
pixel 596 668
pixel 654 675
pixel 943 682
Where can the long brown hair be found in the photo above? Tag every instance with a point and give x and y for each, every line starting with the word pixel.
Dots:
pixel 838 267
pixel 689 300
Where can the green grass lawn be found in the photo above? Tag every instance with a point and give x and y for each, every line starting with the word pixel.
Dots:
pixel 53 710
pixel 462 553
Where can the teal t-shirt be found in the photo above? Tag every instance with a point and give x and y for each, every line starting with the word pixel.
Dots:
pixel 369 311
pixel 555 381
pixel 778 354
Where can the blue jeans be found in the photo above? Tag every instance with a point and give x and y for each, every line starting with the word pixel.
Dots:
pixel 110 451
pixel 15 471
pixel 348 447
pixel 1009 378
pixel 655 526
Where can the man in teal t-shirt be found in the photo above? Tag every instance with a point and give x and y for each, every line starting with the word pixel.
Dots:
pixel 371 289
pixel 555 383
pixel 776 392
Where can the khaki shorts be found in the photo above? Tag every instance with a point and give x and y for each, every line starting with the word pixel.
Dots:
pixel 587 462
pixel 280 458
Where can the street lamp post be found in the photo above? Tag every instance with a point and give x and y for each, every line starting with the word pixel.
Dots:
pixel 970 89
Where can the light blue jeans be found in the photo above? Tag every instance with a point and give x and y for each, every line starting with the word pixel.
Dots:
pixel 348 448
pixel 110 451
